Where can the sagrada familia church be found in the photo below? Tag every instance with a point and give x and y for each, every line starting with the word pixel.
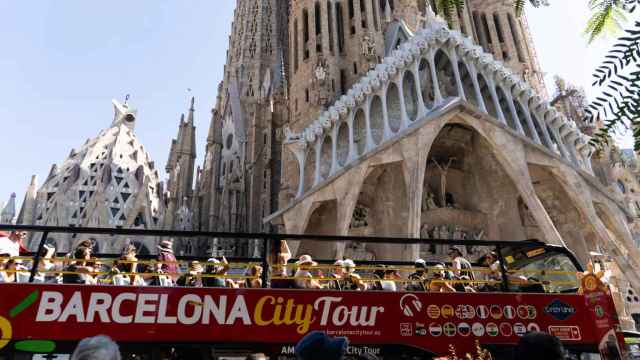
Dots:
pixel 365 117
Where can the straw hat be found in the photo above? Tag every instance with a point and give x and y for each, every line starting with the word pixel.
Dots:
pixel 195 266
pixel 166 245
pixel 306 260
pixel 349 265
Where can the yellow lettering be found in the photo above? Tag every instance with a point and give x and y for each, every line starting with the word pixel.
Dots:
pixel 257 314
pixel 277 312
pixel 304 321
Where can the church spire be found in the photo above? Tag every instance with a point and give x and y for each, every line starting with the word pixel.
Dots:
pixel 9 212
pixel 27 211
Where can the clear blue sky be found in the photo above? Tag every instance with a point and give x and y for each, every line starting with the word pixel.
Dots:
pixel 64 60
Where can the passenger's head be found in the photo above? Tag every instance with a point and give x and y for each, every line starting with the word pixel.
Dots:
pixel 129 250
pixel 306 262
pixel 82 253
pixel 455 251
pixel 490 258
pixel 349 266
pixel 96 348
pixel 338 267
pixel 214 266
pixel 18 236
pixel 255 270
pixel 420 266
pixel 438 271
pixel 84 243
pixel 539 345
pixel 318 346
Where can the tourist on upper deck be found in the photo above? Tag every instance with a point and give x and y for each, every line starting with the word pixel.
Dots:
pixel 128 262
pixel 12 243
pixel 212 271
pixel 45 266
pixel 351 280
pixel 303 276
pixel 8 267
pixel 255 279
pixel 389 280
pixel 280 271
pixel 337 275
pixel 192 277
pixel 78 272
pixel 167 260
pixel 438 281
pixel 461 266
pixel 419 277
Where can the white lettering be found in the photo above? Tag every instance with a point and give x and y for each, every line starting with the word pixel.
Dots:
pixel 182 309
pixel 340 315
pixel 99 304
pixel 326 300
pixel 143 307
pixel 218 310
pixel 162 312
pixel 239 310
pixel 73 308
pixel 49 308
pixel 115 308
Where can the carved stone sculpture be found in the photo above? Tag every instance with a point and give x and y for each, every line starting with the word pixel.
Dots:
pixel 359 218
pixel 428 201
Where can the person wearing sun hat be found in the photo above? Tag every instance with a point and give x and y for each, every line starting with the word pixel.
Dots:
pixel 351 280
pixel 303 276
pixel 167 260
pixel 317 345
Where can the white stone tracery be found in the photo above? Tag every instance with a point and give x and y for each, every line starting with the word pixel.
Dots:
pixel 400 91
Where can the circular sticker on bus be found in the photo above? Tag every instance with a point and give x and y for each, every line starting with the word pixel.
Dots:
pixel 464 329
pixel 465 312
pixel 492 329
pixel 449 329
pixel 506 330
pixel 523 312
pixel 482 311
pixel 435 329
pixel 433 311
pixel 509 312
pixel 447 311
pixel 519 329
pixel 496 312
pixel 533 313
pixel 533 327
pixel 477 329
pixel 590 282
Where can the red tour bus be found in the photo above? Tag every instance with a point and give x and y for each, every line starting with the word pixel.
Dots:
pixel 39 320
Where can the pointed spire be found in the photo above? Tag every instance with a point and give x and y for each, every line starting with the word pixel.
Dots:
pixel 27 212
pixel 9 212
pixel 387 11
pixel 191 111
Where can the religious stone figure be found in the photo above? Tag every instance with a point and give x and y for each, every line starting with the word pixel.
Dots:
pixel 443 232
pixel 478 235
pixel 443 179
pixel 424 231
pixel 359 218
pixel 457 233
pixel 320 76
pixel 428 201
pixel 369 50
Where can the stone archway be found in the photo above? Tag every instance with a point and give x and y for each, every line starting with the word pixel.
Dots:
pixel 322 221
pixel 467 193
pixel 381 209
pixel 566 216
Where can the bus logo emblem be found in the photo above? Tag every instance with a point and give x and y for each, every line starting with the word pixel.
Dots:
pixel 447 311
pixel 559 310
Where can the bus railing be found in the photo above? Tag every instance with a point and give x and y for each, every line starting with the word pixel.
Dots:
pixel 270 241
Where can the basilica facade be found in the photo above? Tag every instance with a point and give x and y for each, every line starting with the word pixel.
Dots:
pixel 368 117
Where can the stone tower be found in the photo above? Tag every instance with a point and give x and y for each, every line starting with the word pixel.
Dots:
pixel 8 213
pixel 500 32
pixel 180 167
pixel 241 174
pixel 28 210
pixel 110 182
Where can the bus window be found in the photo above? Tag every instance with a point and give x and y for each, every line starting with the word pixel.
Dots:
pixel 540 269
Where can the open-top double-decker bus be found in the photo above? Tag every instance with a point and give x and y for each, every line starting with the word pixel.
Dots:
pixel 538 288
